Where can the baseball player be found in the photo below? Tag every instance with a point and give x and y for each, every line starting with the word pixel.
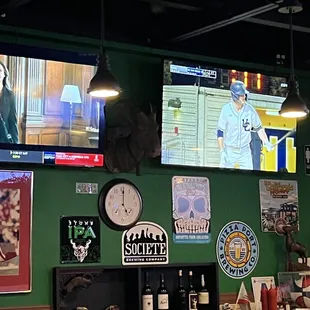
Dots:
pixel 236 121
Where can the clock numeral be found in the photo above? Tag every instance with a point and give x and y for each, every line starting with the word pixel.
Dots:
pixel 111 196
pixel 115 191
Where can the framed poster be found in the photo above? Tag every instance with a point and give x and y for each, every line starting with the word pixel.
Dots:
pixel 278 204
pixel 191 210
pixel 79 239
pixel 15 226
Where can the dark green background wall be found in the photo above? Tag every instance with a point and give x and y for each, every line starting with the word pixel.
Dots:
pixel 234 195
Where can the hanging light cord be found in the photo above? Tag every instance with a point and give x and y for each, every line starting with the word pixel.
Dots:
pixel 292 45
pixel 102 27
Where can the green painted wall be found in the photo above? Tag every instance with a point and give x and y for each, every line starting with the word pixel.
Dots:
pixel 234 196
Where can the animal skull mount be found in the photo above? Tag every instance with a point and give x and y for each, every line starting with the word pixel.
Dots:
pixel 80 251
pixel 134 138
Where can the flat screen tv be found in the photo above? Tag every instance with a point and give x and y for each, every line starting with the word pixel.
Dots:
pixel 224 118
pixel 46 115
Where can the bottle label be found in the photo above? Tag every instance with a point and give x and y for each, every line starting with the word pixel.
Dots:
pixel 203 298
pixel 192 300
pixel 163 301
pixel 182 302
pixel 147 302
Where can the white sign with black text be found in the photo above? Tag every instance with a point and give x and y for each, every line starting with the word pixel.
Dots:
pixel 145 244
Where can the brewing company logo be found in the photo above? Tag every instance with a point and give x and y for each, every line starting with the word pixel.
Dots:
pixel 237 250
pixel 144 244
pixel 79 239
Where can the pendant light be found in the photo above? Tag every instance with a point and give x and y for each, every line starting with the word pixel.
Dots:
pixel 293 106
pixel 103 84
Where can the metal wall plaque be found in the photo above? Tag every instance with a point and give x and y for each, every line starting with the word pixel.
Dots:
pixel 86 188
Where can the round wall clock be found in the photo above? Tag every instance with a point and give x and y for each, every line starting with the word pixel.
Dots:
pixel 120 204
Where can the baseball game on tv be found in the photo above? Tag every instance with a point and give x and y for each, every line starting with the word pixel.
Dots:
pixel 223 118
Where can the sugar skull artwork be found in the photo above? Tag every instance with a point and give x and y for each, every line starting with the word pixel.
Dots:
pixel 191 209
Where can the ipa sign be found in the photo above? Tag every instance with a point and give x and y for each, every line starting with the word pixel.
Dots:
pixel 79 239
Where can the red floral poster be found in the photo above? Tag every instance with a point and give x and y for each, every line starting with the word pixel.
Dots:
pixel 15 231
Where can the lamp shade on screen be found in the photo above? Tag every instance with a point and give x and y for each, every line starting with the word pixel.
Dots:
pixel 103 84
pixel 71 93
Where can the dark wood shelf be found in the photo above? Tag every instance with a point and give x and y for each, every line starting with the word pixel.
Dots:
pixel 101 286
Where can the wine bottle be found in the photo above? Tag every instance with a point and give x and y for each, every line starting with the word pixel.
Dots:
pixel 192 294
pixel 162 295
pixel 147 294
pixel 203 295
pixel 180 294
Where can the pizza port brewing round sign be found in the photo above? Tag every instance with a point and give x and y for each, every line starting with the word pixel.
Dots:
pixel 237 250
pixel 144 244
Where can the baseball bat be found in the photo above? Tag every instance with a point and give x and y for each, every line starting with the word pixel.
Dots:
pixel 284 137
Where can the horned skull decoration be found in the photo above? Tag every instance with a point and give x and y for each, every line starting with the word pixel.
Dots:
pixel 80 251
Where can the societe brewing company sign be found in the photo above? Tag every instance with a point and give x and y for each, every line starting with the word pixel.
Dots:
pixel 145 244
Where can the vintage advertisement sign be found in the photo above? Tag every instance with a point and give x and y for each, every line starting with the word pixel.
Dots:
pixel 16 192
pixel 278 204
pixel 79 239
pixel 191 210
pixel 145 244
pixel 237 250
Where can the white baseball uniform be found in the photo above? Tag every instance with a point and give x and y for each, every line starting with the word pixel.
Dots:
pixel 237 126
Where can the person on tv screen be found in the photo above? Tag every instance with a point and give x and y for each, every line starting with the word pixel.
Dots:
pixel 8 115
pixel 236 122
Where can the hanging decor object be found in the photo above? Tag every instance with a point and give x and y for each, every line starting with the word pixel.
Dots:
pixel 103 84
pixel 293 106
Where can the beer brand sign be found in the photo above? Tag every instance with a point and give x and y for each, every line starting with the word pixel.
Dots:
pixel 237 250
pixel 79 239
pixel 145 244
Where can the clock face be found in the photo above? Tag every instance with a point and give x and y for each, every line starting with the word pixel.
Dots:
pixel 123 204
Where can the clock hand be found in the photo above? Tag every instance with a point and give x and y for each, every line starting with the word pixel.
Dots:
pixel 123 203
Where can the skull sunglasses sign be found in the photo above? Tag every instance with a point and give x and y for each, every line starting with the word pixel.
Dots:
pixel 191 210
pixel 79 239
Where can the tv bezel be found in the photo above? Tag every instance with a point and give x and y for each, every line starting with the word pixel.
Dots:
pixel 64 56
pixel 226 66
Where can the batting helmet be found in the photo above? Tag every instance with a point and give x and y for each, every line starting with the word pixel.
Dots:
pixel 238 89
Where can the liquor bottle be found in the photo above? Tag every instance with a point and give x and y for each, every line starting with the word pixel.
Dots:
pixel 162 295
pixel 147 294
pixel 192 294
pixel 203 295
pixel 180 294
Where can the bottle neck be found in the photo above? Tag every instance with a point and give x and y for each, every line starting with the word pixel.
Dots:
pixel 180 280
pixel 146 279
pixel 162 280
pixel 190 281
pixel 203 283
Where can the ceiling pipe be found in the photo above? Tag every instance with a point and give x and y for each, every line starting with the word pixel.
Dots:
pixel 173 5
pixel 270 23
pixel 227 22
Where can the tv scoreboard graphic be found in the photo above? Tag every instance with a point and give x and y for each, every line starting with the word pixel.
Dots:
pixel 52 158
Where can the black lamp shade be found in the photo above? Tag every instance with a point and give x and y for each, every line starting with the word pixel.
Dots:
pixel 103 84
pixel 293 106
